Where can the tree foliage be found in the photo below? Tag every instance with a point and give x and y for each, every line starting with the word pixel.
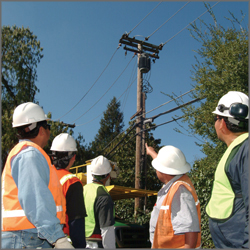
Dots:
pixel 221 66
pixel 120 147
pixel 21 53
pixel 111 125
pixel 124 155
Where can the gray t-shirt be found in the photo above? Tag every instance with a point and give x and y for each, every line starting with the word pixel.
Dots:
pixel 104 210
pixel 184 215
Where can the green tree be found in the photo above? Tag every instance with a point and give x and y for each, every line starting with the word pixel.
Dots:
pixel 83 153
pixel 120 147
pixel 124 156
pixel 222 66
pixel 21 53
pixel 110 126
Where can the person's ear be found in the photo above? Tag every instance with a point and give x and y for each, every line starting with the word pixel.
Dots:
pixel 223 126
pixel 41 131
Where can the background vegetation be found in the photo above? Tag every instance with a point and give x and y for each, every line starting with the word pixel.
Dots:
pixel 222 65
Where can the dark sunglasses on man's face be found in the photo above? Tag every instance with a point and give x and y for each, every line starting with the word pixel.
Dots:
pixel 46 126
pixel 217 118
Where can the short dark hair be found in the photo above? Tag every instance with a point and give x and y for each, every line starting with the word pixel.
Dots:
pixel 23 132
pixel 100 177
pixel 242 127
pixel 61 159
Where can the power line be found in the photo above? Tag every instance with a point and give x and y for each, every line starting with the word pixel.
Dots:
pixel 189 24
pixel 130 130
pixel 174 119
pixel 105 92
pixel 165 103
pixel 114 104
pixel 128 89
pixel 178 107
pixel 112 140
pixel 144 18
pixel 154 117
pixel 166 21
pixel 94 82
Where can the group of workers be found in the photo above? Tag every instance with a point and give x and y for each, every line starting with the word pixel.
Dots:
pixel 43 203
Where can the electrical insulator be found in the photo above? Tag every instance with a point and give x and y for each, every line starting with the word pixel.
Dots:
pixel 144 63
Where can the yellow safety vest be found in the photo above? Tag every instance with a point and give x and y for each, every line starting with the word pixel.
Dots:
pixel 90 193
pixel 221 202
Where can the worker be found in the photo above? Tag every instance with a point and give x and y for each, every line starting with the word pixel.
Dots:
pixel 33 206
pixel 99 222
pixel 63 157
pixel 175 219
pixel 228 206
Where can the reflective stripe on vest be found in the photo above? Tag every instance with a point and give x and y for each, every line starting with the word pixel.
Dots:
pixel 20 213
pixel 164 236
pixel 13 216
pixel 220 205
pixel 90 194
pixel 66 177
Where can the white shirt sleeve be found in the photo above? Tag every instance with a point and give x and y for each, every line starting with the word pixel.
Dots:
pixel 108 237
pixel 184 215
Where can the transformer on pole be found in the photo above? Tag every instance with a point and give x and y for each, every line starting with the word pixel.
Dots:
pixel 144 50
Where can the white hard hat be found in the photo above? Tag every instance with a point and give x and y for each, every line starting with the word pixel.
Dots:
pixel 63 143
pixel 27 113
pixel 234 104
pixel 170 160
pixel 100 166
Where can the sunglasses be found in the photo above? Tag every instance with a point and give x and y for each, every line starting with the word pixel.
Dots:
pixel 217 118
pixel 46 126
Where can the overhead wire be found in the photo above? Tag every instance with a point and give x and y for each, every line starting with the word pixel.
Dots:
pixel 128 89
pixel 105 92
pixel 144 18
pixel 165 103
pixel 93 83
pixel 178 107
pixel 131 59
pixel 111 106
pixel 120 45
pixel 174 119
pixel 189 24
pixel 168 111
pixel 167 20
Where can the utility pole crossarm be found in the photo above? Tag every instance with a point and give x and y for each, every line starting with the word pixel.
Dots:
pixel 145 46
pixel 143 50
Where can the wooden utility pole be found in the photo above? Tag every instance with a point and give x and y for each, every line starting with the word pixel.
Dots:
pixel 138 132
pixel 143 153
pixel 140 47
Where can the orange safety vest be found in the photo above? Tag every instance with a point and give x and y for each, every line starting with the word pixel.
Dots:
pixel 66 179
pixel 164 236
pixel 13 215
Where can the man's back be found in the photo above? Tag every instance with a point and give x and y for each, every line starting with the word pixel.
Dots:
pixel 237 170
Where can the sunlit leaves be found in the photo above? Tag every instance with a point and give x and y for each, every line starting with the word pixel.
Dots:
pixel 21 52
pixel 221 66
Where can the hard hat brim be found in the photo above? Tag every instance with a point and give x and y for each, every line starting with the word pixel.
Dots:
pixel 171 171
pixel 217 112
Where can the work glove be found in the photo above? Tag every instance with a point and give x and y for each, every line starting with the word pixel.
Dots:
pixel 63 243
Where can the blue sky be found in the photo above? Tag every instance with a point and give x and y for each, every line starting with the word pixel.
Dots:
pixel 79 38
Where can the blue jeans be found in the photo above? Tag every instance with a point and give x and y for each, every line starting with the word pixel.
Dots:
pixel 22 239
